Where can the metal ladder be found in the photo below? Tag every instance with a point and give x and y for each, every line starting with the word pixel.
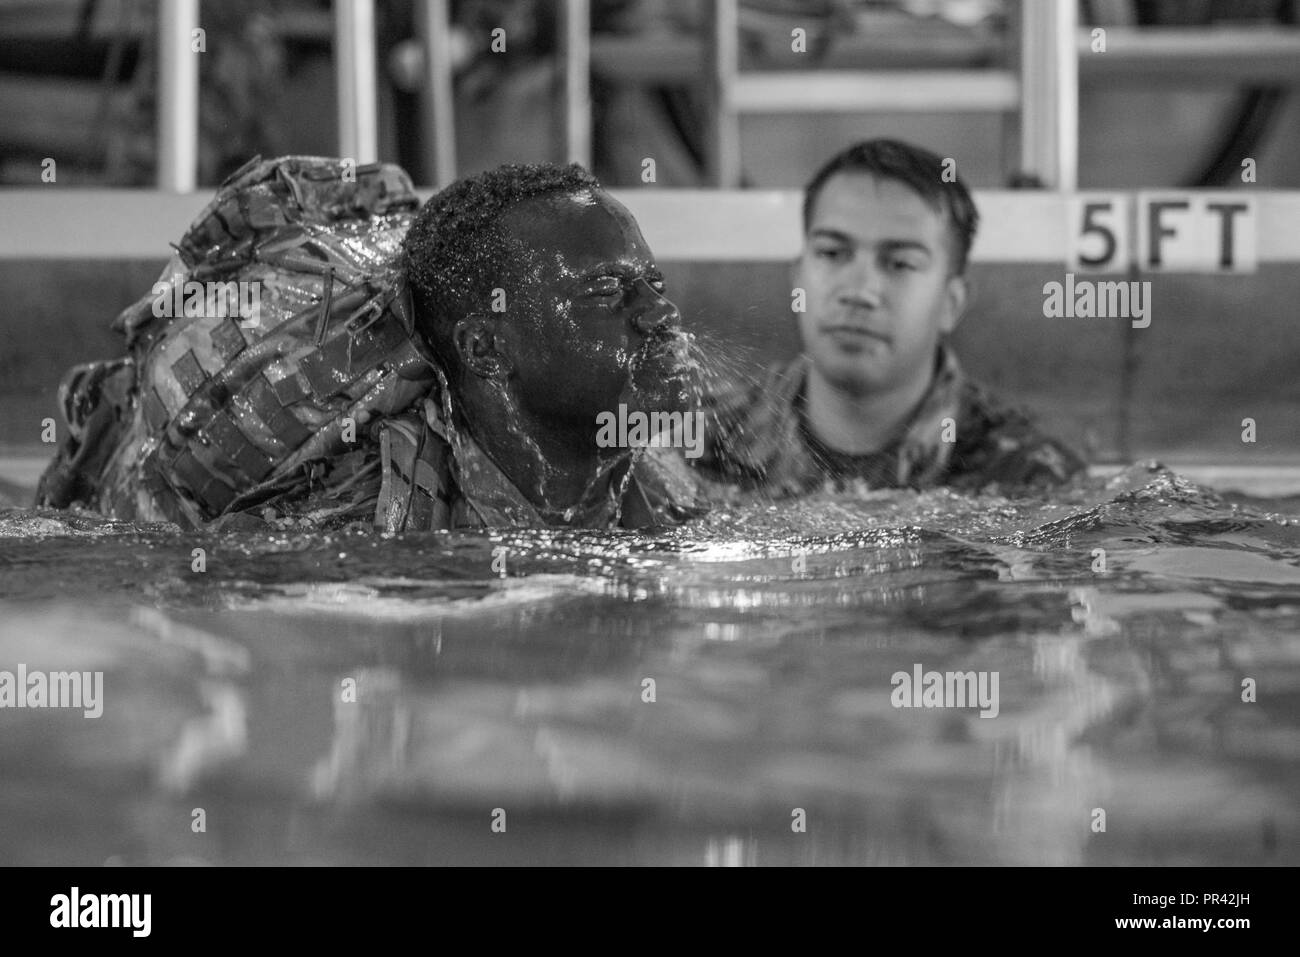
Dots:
pixel 1045 92
pixel 1045 89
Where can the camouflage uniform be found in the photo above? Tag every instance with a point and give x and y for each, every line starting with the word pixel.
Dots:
pixel 456 484
pixel 413 472
pixel 761 441
pixel 212 412
pixel 317 412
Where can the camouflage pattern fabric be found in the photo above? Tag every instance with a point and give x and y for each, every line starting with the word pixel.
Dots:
pixel 435 476
pixel 212 413
pixel 325 409
pixel 760 441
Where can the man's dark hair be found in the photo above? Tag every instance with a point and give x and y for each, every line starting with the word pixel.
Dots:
pixel 918 169
pixel 455 251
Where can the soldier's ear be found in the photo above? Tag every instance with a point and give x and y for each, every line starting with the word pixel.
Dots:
pixel 955 295
pixel 479 347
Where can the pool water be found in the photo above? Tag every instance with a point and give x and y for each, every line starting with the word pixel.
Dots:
pixel 719 694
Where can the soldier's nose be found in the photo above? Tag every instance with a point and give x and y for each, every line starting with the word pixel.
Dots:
pixel 656 315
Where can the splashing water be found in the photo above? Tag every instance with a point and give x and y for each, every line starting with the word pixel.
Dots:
pixel 669 698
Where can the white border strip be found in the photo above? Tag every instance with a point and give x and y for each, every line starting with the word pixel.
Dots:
pixel 681 225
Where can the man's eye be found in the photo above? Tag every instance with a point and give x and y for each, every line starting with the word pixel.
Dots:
pixel 605 288
pixel 833 253
pixel 903 264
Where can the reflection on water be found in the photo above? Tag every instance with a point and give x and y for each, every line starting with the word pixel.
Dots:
pixel 717 695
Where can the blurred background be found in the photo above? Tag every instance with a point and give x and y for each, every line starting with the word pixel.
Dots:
pixel 79 81
pixel 1183 91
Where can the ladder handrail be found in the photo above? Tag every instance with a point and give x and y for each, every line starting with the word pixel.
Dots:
pixel 1048 92
pixel 178 96
pixel 437 99
pixel 575 97
pixel 356 79
pixel 1048 89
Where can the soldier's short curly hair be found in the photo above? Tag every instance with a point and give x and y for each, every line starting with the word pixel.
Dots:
pixel 455 251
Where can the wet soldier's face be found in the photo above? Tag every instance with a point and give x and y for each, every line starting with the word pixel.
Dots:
pixel 877 272
pixel 585 324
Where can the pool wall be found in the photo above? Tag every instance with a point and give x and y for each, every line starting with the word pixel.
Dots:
pixel 1220 347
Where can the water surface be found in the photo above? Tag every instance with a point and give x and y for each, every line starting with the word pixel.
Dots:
pixel 770 635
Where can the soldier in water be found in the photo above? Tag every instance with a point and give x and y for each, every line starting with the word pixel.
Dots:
pixel 545 309
pixel 408 371
pixel 878 396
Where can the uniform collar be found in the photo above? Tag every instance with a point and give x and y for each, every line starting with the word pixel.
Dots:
pixel 918 451
pixel 490 494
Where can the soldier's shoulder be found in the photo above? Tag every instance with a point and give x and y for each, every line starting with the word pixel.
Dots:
pixel 748 424
pixel 999 442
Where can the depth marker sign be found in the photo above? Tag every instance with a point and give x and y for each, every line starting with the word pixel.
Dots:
pixel 1190 232
pixel 1197 232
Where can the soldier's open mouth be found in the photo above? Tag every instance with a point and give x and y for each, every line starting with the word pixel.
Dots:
pixel 669 358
